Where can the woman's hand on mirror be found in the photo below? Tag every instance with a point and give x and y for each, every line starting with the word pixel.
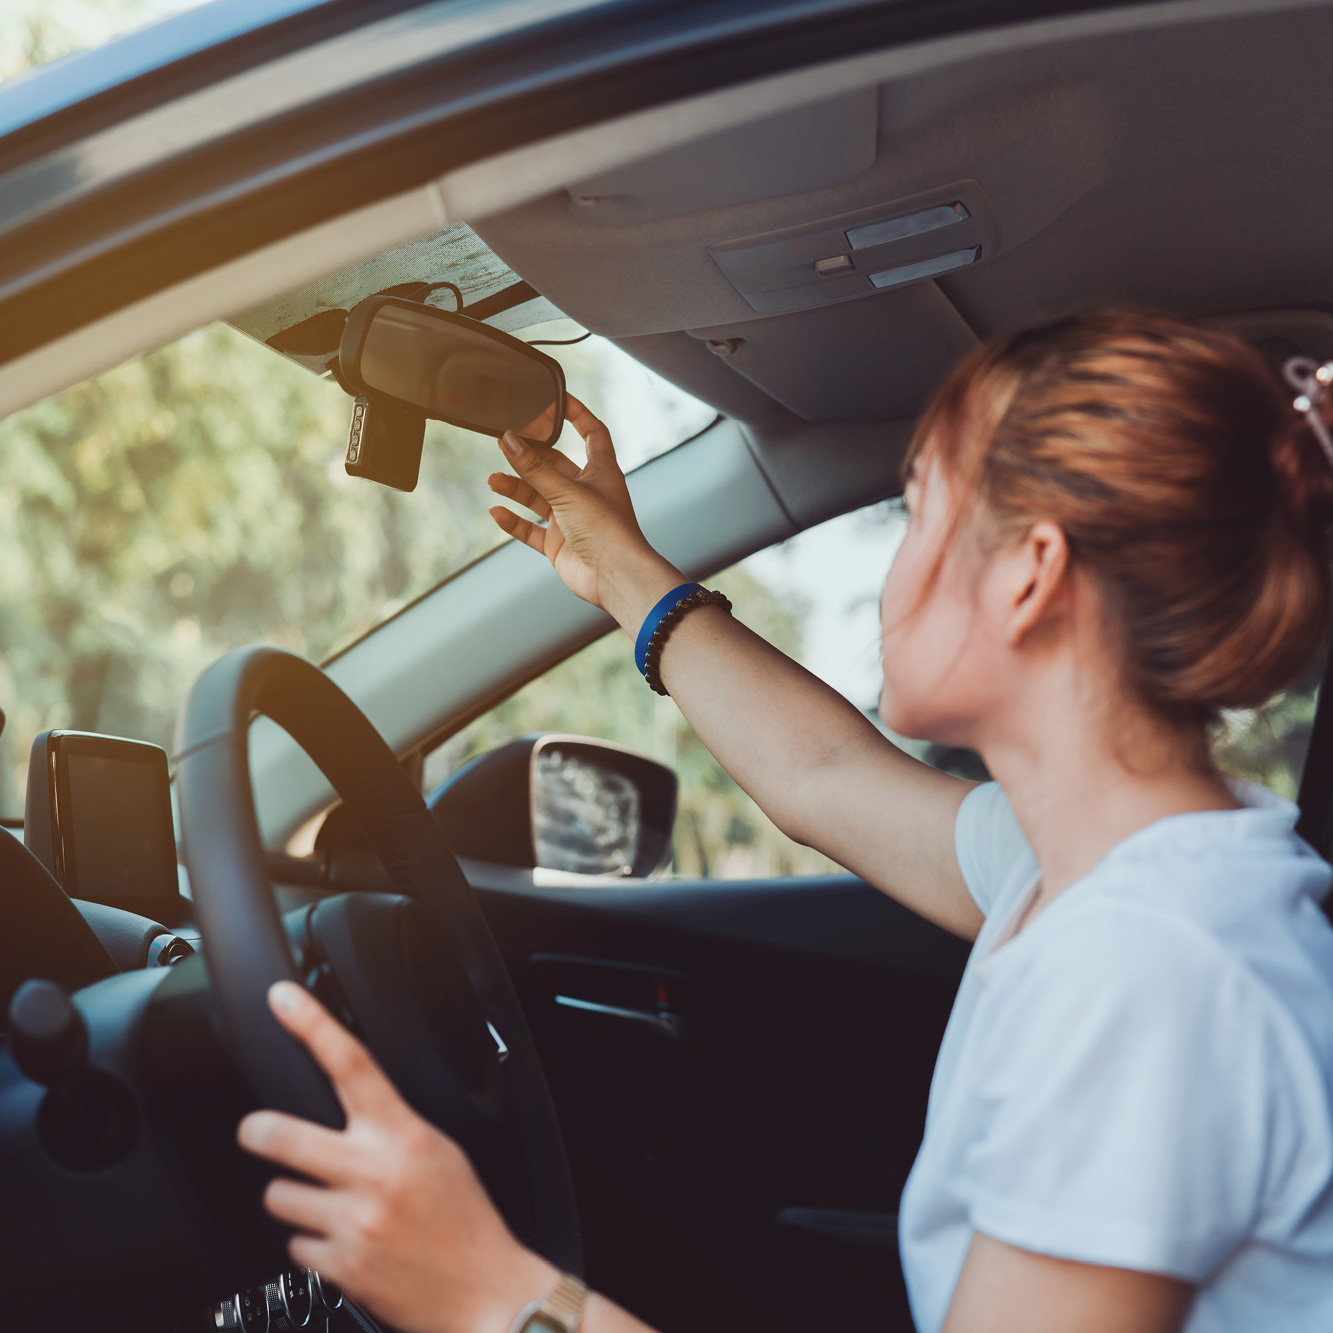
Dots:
pixel 390 1208
pixel 591 535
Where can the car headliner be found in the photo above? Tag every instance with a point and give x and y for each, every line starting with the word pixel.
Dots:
pixel 1121 164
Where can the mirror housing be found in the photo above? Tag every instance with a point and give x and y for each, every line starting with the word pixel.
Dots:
pixel 561 803
pixel 448 367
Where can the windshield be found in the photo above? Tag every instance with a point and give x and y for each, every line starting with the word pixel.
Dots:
pixel 195 499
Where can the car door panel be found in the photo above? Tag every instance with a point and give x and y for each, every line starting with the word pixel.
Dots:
pixel 742 1082
pixel 741 1070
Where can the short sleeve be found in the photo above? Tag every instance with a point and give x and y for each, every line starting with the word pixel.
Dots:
pixel 989 843
pixel 1132 1107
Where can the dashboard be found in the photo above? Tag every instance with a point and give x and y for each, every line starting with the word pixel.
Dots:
pixel 297 1298
pixel 98 816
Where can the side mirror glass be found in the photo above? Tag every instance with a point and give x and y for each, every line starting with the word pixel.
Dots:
pixel 451 368
pixel 567 804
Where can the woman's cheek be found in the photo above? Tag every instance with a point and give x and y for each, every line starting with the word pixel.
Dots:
pixel 899 701
pixel 900 611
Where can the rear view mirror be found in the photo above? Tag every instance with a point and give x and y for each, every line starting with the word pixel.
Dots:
pixel 452 368
pixel 407 362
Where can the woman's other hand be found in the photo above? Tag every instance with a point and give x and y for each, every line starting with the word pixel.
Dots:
pixel 591 537
pixel 392 1210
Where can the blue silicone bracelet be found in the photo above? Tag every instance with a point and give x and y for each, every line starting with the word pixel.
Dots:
pixel 654 618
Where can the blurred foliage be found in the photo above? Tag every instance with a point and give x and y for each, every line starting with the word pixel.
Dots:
pixel 35 32
pixel 1267 745
pixel 189 501
pixel 194 499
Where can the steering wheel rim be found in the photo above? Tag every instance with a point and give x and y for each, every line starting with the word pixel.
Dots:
pixel 246 946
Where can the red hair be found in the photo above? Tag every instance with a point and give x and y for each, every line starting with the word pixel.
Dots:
pixel 1185 483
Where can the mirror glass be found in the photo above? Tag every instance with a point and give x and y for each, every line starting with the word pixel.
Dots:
pixel 461 372
pixel 585 815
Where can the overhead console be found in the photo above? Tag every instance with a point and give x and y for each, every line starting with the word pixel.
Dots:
pixel 862 252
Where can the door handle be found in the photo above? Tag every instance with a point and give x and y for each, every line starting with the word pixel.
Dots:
pixel 663 1021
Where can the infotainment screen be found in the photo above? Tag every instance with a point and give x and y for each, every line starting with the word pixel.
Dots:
pixel 99 816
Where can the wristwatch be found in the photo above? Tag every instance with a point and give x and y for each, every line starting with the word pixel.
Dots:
pixel 559 1312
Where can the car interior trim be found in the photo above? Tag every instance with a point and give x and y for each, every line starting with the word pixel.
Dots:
pixel 216 293
pixel 211 204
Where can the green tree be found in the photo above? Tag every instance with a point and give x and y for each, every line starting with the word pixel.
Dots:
pixel 189 501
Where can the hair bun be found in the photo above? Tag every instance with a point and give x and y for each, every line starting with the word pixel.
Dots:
pixel 1191 489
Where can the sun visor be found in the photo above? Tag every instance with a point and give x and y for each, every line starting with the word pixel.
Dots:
pixel 859 361
pixel 807 148
pixel 858 254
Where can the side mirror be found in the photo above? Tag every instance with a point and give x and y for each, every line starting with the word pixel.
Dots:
pixel 451 368
pixel 561 803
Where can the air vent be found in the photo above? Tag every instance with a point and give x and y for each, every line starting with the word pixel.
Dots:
pixel 166 950
pixel 857 254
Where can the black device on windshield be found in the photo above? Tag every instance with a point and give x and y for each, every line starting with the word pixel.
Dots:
pixel 98 816
pixel 384 442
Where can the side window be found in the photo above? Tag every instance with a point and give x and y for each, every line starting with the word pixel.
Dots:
pixel 1267 745
pixel 816 597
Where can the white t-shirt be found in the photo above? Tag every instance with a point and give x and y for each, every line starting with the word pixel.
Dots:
pixel 1143 1075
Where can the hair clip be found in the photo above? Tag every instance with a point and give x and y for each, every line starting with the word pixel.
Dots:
pixel 1312 381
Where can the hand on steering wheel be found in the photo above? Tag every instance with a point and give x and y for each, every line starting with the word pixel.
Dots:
pixel 391 1209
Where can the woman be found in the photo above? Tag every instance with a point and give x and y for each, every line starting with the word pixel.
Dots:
pixel 1116 530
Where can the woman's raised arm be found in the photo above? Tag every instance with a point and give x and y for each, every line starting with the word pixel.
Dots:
pixel 811 761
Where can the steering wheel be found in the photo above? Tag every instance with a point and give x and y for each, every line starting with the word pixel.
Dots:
pixel 119 1151
pixel 419 976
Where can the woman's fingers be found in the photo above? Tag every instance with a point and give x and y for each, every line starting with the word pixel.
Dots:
pixel 592 431
pixel 359 1082
pixel 299 1144
pixel 547 471
pixel 306 1206
pixel 314 1252
pixel 519 492
pixel 527 532
pixel 540 428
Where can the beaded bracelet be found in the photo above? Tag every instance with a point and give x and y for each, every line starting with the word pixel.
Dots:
pixel 653 652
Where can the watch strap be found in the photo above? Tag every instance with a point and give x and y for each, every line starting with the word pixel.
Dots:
pixel 558 1312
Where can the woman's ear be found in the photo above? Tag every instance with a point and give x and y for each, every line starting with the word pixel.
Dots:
pixel 1039 586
